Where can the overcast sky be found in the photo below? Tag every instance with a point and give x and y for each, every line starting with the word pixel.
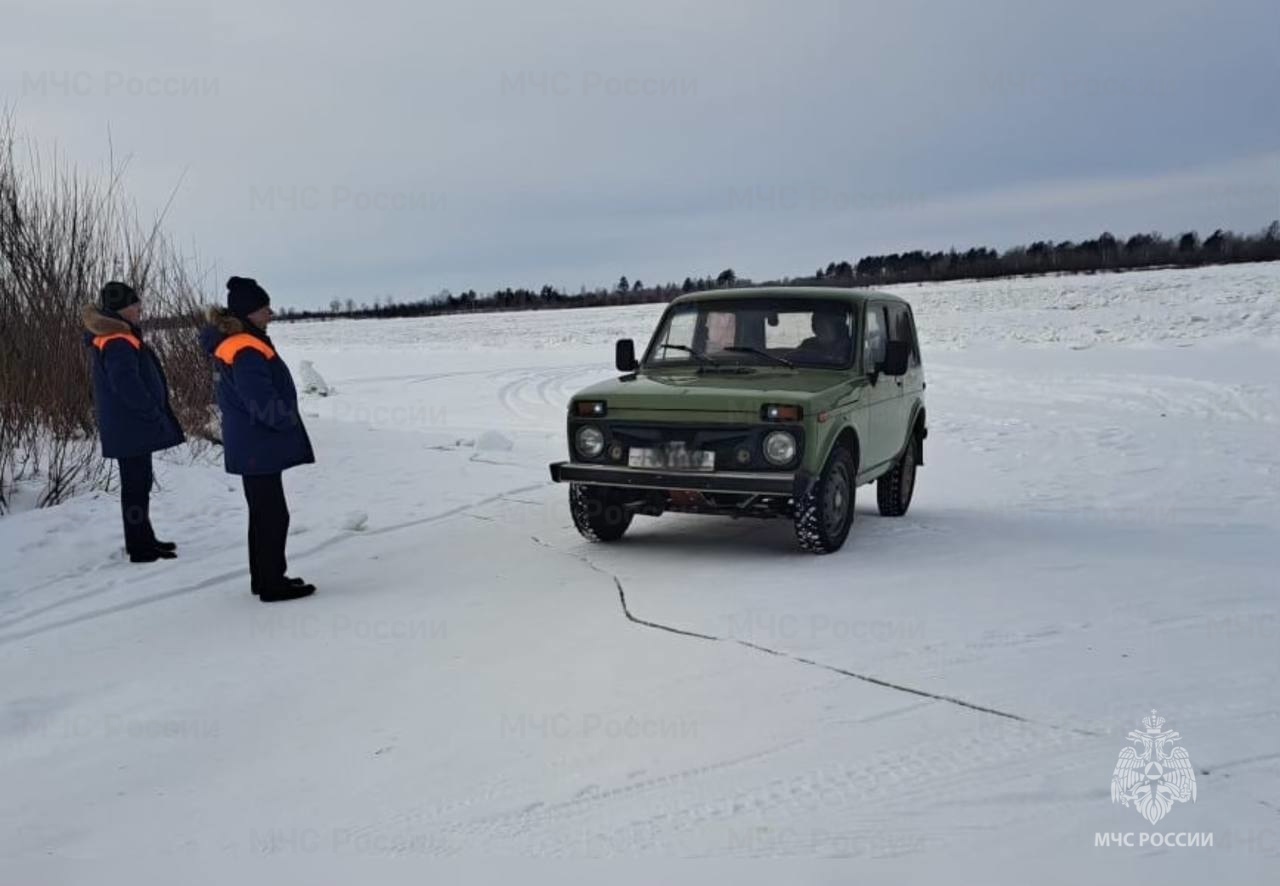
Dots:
pixel 373 148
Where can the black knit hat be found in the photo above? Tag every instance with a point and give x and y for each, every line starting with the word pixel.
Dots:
pixel 116 295
pixel 244 296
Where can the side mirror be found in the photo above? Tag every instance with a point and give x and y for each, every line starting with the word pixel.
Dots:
pixel 624 355
pixel 897 357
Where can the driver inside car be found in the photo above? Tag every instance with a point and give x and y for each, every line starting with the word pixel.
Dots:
pixel 830 339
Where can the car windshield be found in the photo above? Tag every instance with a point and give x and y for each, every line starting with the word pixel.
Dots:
pixel 755 332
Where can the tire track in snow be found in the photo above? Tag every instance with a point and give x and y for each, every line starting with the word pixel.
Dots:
pixel 514 823
pixel 412 378
pixel 680 803
pixel 215 580
pixel 512 395
pixel 898 778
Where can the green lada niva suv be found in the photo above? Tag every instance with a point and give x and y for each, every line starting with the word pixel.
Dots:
pixel 769 402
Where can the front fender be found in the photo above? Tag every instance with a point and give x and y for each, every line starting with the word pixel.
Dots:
pixel 849 422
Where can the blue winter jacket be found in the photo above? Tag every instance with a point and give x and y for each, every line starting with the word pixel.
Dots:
pixel 262 431
pixel 130 392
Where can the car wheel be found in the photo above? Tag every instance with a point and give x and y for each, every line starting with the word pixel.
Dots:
pixel 598 512
pixel 894 489
pixel 824 514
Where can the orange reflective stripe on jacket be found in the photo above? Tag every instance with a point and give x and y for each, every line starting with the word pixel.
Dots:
pixel 234 344
pixel 100 341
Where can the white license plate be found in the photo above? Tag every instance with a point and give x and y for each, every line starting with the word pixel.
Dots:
pixel 673 457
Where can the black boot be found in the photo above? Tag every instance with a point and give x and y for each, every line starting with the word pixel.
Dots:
pixel 289 582
pixel 285 591
pixel 151 555
pixel 164 545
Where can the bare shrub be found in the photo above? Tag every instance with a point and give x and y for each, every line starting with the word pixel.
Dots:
pixel 62 235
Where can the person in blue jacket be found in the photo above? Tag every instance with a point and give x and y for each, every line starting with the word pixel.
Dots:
pixel 131 399
pixel 262 431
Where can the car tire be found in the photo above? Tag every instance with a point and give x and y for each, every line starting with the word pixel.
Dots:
pixel 894 489
pixel 824 514
pixel 598 512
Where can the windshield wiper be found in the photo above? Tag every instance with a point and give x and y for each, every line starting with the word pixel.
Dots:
pixel 759 352
pixel 697 355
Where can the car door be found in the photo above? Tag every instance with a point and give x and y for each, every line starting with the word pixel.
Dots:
pixel 883 394
pixel 902 328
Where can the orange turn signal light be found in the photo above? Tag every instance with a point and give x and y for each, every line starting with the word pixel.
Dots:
pixel 590 408
pixel 776 412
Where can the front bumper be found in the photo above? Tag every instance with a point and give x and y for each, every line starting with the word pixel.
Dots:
pixel 792 485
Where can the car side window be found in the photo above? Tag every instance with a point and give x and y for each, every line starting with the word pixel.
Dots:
pixel 873 338
pixel 901 328
pixel 682 331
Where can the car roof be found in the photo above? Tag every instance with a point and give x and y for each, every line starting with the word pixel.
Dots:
pixel 825 293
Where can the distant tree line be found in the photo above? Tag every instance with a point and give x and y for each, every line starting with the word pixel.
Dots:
pixel 548 297
pixel 1103 253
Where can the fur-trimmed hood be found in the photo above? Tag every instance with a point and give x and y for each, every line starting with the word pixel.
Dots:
pixel 222 324
pixel 99 322
pixel 224 321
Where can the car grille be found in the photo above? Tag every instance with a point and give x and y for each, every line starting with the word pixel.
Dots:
pixel 724 440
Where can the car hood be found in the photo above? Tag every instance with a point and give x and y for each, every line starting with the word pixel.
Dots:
pixel 728 395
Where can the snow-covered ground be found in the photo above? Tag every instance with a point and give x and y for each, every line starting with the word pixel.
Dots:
pixel 1096 534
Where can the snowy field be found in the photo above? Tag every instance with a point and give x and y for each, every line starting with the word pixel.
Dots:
pixel 1096 534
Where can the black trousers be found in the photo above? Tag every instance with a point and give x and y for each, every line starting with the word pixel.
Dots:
pixel 136 479
pixel 268 529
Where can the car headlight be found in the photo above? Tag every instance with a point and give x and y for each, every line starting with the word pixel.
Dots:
pixel 589 441
pixel 780 448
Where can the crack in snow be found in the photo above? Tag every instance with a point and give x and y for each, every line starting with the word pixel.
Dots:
pixel 866 678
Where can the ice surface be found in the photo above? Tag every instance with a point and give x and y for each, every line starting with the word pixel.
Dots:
pixel 1094 535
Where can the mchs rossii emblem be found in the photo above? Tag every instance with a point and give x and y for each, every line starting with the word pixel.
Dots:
pixel 1154 773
